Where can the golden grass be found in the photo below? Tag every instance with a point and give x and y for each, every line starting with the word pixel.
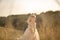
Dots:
pixel 9 34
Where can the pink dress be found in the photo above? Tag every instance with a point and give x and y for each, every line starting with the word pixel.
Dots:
pixel 31 33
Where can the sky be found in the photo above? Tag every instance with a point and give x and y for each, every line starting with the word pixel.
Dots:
pixel 9 7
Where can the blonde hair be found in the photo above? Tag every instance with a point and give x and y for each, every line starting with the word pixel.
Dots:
pixel 29 18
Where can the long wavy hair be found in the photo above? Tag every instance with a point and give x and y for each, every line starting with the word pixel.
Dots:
pixel 29 18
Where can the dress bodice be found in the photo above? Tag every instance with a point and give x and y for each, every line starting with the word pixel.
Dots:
pixel 32 25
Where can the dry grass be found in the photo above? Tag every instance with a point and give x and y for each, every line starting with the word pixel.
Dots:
pixel 9 34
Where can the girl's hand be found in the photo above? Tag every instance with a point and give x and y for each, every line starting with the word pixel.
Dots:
pixel 32 30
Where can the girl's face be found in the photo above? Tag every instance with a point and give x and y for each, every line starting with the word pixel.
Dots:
pixel 33 19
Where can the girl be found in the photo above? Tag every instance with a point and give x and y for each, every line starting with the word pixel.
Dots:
pixel 31 32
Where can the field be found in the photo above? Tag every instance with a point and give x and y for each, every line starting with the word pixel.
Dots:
pixel 48 26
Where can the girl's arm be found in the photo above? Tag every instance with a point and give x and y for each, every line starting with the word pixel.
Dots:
pixel 32 28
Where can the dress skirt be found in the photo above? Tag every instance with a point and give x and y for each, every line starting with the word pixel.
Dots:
pixel 31 33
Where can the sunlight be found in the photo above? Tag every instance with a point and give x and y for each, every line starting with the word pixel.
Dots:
pixel 31 7
pixel 27 6
pixel 34 6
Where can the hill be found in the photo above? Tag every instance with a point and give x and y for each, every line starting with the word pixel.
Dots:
pixel 48 25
